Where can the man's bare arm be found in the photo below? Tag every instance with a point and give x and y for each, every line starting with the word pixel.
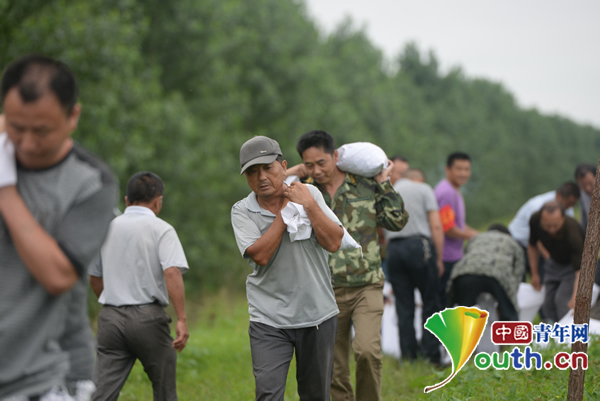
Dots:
pixel 97 284
pixel 264 248
pixel 534 256
pixel 40 253
pixel 176 290
pixel 298 169
pixel 464 233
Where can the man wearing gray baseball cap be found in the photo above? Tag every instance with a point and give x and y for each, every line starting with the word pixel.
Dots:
pixel 291 301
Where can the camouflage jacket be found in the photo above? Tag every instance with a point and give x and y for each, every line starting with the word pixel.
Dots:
pixel 362 204
pixel 496 255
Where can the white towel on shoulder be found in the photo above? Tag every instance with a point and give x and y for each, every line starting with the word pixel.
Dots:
pixel 299 227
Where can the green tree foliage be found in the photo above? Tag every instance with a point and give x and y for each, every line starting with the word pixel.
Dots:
pixel 177 87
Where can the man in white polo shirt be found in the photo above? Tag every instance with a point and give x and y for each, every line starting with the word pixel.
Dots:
pixel 140 268
pixel 291 302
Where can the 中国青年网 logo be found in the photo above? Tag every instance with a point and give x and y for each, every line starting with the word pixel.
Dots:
pixel 460 330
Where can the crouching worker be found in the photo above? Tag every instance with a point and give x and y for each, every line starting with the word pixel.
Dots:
pixel 140 268
pixel 291 301
pixel 494 263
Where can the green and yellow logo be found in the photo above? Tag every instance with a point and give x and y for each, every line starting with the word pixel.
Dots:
pixel 459 329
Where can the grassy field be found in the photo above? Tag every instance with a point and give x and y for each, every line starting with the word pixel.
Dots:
pixel 216 365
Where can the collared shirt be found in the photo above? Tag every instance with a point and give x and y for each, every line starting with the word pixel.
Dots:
pixel 294 289
pixel 362 204
pixel 519 226
pixel 138 248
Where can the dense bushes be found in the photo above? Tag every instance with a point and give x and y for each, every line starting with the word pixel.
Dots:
pixel 176 87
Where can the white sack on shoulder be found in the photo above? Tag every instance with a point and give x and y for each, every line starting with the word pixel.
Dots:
pixel 362 158
pixel 298 226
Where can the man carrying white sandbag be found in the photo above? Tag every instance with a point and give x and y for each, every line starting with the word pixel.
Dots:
pixel 362 204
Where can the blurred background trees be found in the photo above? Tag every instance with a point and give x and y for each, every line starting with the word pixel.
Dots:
pixel 177 87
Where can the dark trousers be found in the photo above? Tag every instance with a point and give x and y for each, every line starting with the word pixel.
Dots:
pixel 272 350
pixel 468 287
pixel 412 264
pixel 127 333
pixel 448 266
pixel 559 282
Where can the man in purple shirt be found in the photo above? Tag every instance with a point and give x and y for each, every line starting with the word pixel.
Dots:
pixel 452 214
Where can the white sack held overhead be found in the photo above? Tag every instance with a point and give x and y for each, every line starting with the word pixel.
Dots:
pixel 362 158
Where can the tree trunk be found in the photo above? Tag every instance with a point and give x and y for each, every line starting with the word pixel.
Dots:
pixel 584 289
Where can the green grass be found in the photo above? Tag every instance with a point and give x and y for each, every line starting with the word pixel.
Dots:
pixel 216 365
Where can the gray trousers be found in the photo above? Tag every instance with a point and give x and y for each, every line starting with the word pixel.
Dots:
pixel 127 333
pixel 558 280
pixel 272 350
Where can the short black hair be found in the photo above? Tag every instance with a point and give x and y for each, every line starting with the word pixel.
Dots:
pixel 569 189
pixel 498 227
pixel 318 139
pixel 144 186
pixel 456 156
pixel 34 74
pixel 551 207
pixel 397 157
pixel 583 169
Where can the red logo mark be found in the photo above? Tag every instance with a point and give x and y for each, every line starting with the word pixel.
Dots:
pixel 512 332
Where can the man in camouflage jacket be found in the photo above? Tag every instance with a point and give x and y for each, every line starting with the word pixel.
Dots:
pixel 361 204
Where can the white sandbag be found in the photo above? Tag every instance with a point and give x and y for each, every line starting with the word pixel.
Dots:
pixel 390 340
pixel 530 301
pixel 362 158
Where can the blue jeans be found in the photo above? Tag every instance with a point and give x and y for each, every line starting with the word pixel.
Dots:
pixel 412 264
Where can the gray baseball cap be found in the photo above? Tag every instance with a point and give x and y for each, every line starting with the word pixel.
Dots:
pixel 259 150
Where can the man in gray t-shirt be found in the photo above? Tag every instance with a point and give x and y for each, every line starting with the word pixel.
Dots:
pixel 291 301
pixel 56 202
pixel 414 257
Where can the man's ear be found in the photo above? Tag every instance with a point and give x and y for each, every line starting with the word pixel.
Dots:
pixel 284 165
pixel 157 204
pixel 127 203
pixel 74 117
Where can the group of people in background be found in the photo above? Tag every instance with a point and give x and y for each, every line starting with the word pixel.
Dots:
pixel 315 294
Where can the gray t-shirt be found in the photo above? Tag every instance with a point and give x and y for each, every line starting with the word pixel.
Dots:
pixel 294 289
pixel 73 202
pixel 138 248
pixel 419 200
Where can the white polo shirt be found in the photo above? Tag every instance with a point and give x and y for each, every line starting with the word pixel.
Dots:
pixel 138 248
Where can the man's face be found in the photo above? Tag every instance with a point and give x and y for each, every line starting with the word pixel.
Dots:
pixel 399 168
pixel 459 173
pixel 40 130
pixel 552 222
pixel 266 180
pixel 586 183
pixel 567 202
pixel 320 165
